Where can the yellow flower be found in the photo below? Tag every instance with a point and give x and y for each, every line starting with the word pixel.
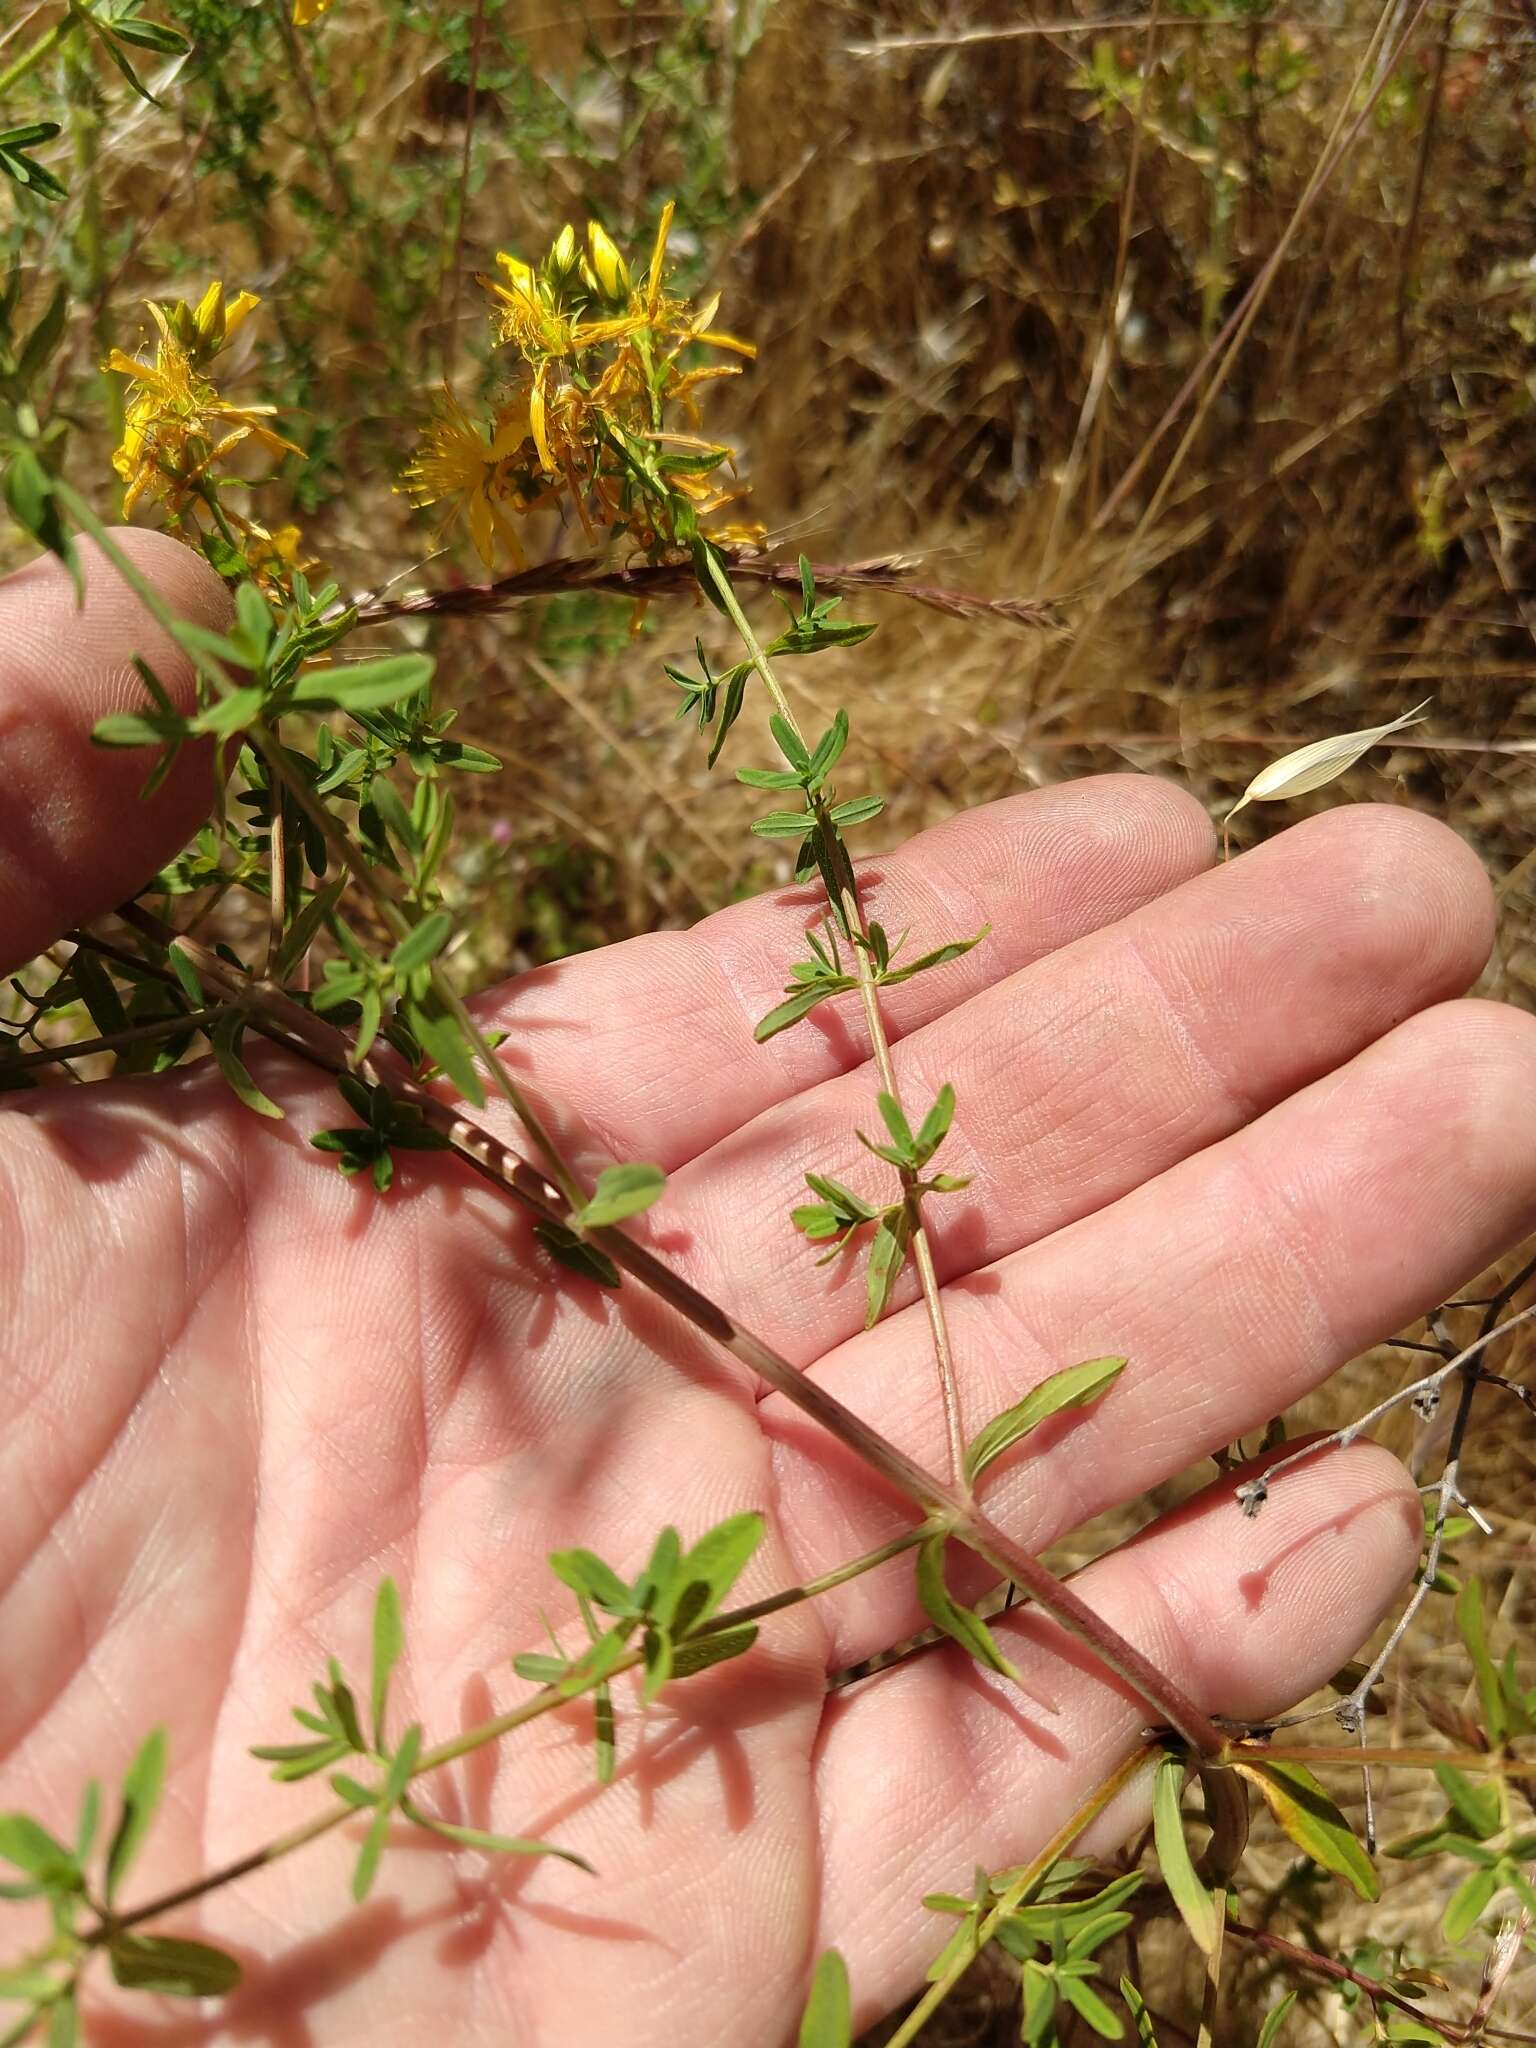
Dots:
pixel 177 427
pixel 306 11
pixel 600 364
pixel 477 475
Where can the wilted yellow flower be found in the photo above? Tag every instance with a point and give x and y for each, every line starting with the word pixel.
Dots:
pixel 477 476
pixel 177 427
pixel 600 365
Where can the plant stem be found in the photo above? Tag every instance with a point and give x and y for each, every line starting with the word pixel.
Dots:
pixel 29 59
pixel 277 1016
pixel 543 1702
pixel 851 911
pixel 110 1041
pixel 1022 1885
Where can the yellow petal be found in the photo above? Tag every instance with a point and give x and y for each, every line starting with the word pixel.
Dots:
pixel 658 256
pixel 608 265
pixel 306 11
pixel 209 312
pixel 536 421
pixel 236 310
pixel 1312 766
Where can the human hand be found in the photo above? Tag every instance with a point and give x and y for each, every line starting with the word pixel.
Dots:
pixel 1226 1123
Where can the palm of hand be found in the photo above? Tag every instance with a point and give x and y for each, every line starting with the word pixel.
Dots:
pixel 239 1390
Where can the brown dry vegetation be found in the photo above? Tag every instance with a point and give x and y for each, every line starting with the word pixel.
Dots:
pixel 979 266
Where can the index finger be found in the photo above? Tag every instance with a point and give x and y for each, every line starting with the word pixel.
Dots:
pixel 75 839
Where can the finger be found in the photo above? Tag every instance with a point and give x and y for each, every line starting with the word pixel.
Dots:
pixel 649 1044
pixel 74 837
pixel 1235 1283
pixel 936 1766
pixel 1095 1069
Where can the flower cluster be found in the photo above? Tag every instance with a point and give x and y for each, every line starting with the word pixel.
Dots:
pixel 601 416
pixel 178 429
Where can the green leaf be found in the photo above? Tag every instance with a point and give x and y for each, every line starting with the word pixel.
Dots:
pixel 1468 1903
pixel 1084 2000
pixel 396 1778
pixel 767 778
pixel 789 743
pixel 1074 1387
pixel 858 810
pixel 27 1844
pixel 828 2018
pixel 438 1033
pixel 887 1256
pixel 799 1005
pixel 422 944
pixel 783 825
pixel 1479 1806
pixel 939 957
pixel 1136 2005
pixel 254 617
pixel 172 1966
pixel 499 1845
pixel 229 714
pixel 388 1642
pixel 945 1612
pixel 1269 2033
pixel 224 1037
pixel 1197 1909
pixel 186 973
pixel 936 1125
pixel 49 331
pixel 895 1121
pixel 31 1982
pixel 142 1783
pixel 715 1562
pixel 131 729
pixel 622 1191
pixel 151 35
pixel 64 2022
pixel 1469 1624
pixel 1301 1806
pixel 585 1573
pixel 90 1820
pixel 698 1653
pixel 364 685
pixel 829 751
pixel 585 1259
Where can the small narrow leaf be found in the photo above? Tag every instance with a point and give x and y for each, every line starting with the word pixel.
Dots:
pixel 1468 1903
pixel 1197 1909
pixel 172 1965
pixel 422 944
pixel 1075 1387
pixel 388 1642
pixel 396 1778
pixel 364 686
pixel 27 1844
pixel 828 2018
pixel 499 1845
pixel 887 1256
pixel 1310 767
pixel 225 1039
pixel 1469 1624
pixel 622 1191
pixel 1136 2005
pixel 585 1573
pixel 945 1612
pixel 1269 2033
pixel 142 1784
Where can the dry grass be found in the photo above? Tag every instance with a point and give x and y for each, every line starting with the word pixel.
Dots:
pixel 970 327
